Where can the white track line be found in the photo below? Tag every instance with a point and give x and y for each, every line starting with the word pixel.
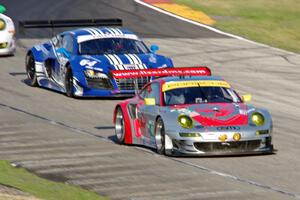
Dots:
pixel 239 179
pixel 207 27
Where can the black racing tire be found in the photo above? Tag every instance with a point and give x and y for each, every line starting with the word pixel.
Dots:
pixel 160 136
pixel 120 126
pixel 30 70
pixel 69 82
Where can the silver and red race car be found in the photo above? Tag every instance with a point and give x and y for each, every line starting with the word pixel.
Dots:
pixel 190 112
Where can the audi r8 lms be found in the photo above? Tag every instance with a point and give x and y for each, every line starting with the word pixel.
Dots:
pixel 192 115
pixel 79 62
pixel 7 38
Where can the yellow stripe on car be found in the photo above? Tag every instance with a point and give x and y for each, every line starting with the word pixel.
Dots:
pixel 184 84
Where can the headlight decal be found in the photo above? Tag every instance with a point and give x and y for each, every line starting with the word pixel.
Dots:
pixel 185 121
pixel 2 24
pixel 262 132
pixel 94 74
pixel 189 134
pixel 258 119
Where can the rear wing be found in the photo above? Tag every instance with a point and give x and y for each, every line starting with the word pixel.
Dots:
pixel 67 23
pixel 178 71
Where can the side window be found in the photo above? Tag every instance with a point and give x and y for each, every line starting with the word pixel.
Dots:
pixel 56 41
pixel 143 93
pixel 151 91
pixel 67 43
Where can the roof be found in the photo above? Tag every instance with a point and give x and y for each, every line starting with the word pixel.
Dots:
pixel 85 34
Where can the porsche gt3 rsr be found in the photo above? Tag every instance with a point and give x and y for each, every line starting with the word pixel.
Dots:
pixel 79 62
pixel 7 36
pixel 195 115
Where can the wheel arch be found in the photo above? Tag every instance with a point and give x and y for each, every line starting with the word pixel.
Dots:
pixel 128 129
pixel 163 119
pixel 27 54
pixel 38 55
pixel 68 64
pixel 168 146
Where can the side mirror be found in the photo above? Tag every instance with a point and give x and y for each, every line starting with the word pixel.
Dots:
pixel 2 9
pixel 246 98
pixel 149 101
pixel 154 48
pixel 64 52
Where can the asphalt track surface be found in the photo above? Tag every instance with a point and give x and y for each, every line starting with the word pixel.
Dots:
pixel 72 140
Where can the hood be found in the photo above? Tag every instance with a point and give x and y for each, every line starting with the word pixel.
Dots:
pixel 123 61
pixel 216 114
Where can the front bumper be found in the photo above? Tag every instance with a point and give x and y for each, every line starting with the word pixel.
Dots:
pixel 261 144
pixel 9 50
pixel 10 44
pixel 85 87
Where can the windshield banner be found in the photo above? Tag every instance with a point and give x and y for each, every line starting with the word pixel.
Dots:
pixel 184 84
pixel 178 71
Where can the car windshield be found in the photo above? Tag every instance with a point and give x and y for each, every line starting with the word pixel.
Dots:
pixel 112 46
pixel 195 95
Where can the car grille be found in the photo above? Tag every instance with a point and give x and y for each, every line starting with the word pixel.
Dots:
pixel 99 83
pixel 128 84
pixel 227 146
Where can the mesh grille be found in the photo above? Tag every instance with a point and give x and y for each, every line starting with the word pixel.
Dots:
pixel 227 146
pixel 128 84
pixel 99 83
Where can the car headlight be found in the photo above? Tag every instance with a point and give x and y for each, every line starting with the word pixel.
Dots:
pixel 94 74
pixel 3 45
pixel 258 119
pixel 2 24
pixel 262 132
pixel 185 121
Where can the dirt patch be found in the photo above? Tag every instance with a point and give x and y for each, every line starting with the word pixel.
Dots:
pixel 14 194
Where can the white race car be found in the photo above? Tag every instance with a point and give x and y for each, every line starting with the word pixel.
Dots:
pixel 7 36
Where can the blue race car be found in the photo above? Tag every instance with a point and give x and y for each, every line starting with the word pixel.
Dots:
pixel 79 62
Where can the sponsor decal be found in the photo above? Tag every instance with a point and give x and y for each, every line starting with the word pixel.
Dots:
pixel 150 126
pixel 83 38
pixel 228 128
pixel 180 71
pixel 223 138
pixel 41 48
pixel 237 136
pixel 185 84
pixel 152 58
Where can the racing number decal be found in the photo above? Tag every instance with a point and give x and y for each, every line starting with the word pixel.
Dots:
pixel 87 63
pixel 138 122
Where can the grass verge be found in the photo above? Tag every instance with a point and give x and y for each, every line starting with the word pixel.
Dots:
pixel 41 188
pixel 273 22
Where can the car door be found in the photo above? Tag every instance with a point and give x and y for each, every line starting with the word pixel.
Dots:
pixel 63 47
pixel 147 113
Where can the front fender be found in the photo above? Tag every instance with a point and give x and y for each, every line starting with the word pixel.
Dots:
pixel 163 61
pixel 37 53
pixel 127 121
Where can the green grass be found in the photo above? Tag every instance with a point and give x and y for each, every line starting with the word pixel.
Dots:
pixel 273 22
pixel 41 188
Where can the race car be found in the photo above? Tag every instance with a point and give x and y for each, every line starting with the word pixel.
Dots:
pixel 190 112
pixel 79 62
pixel 7 34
